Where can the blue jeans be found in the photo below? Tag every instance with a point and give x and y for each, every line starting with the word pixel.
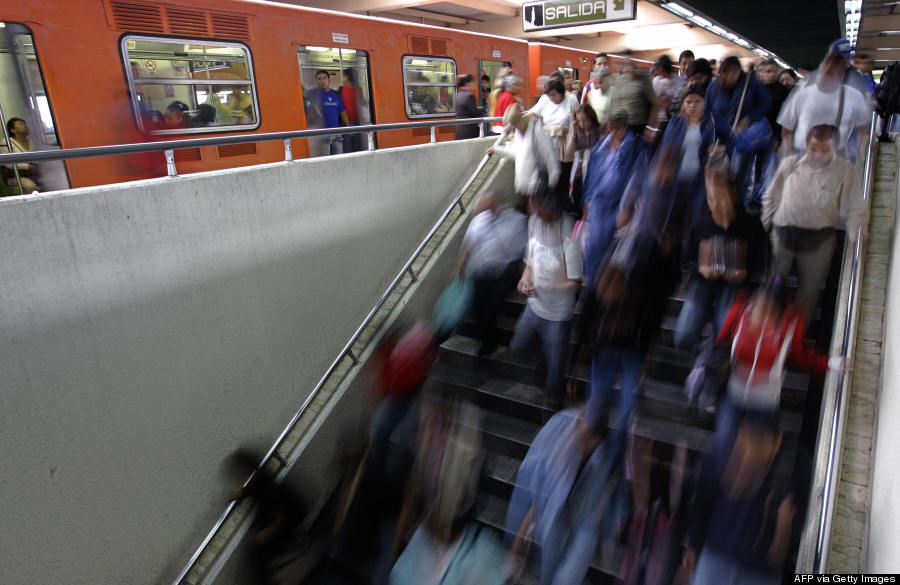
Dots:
pixel 729 417
pixel 554 339
pixel 764 170
pixel 753 173
pixel 326 145
pixel 705 299
pixel 715 569
pixel 606 366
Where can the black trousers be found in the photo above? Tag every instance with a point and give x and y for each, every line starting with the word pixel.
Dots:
pixel 490 290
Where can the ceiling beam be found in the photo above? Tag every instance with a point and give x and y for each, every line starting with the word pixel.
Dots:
pixel 359 6
pixel 880 23
pixel 412 19
pixel 879 42
pixel 494 7
pixel 429 15
pixel 887 56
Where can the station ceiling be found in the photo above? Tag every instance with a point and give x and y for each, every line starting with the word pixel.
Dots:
pixel 879 35
pixel 798 31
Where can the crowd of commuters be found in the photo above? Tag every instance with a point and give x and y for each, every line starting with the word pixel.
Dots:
pixel 736 176
pixel 729 177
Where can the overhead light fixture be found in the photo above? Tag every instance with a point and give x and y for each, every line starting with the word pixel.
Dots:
pixel 679 9
pixel 717 29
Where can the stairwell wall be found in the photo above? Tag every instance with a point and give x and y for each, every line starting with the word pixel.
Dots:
pixel 150 328
pixel 883 526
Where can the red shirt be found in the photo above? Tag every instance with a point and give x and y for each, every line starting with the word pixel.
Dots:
pixel 351 95
pixel 773 336
pixel 505 100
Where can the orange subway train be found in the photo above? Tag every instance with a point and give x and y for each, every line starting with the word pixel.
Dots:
pixel 99 72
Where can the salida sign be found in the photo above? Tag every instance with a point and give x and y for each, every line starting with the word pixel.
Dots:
pixel 544 14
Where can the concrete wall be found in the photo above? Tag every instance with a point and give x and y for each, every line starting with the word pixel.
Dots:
pixel 150 328
pixel 342 426
pixel 881 551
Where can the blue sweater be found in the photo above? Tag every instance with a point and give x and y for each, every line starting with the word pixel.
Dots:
pixel 722 104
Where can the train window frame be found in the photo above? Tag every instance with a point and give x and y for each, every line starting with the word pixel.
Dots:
pixel 133 92
pixel 407 85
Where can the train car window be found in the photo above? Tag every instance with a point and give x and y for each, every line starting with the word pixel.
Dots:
pixel 349 76
pixel 183 86
pixel 26 116
pixel 429 85
pixel 572 70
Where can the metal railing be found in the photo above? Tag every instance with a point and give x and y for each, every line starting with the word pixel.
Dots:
pixel 345 351
pixel 168 147
pixel 838 386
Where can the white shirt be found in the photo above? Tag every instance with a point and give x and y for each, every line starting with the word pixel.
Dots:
pixel 668 88
pixel 532 151
pixel 690 153
pixel 556 114
pixel 810 106
pixel 804 196
pixel 494 240
pixel 554 260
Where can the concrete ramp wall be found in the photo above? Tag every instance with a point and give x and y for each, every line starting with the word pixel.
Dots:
pixel 150 328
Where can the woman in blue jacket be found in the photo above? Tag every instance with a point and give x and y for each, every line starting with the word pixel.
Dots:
pixel 608 172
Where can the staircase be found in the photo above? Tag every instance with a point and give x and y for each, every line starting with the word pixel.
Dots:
pixel 510 391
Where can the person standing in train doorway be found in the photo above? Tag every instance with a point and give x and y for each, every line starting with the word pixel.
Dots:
pixel 325 109
pixel 356 107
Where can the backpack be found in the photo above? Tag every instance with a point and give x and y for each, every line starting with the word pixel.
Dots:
pixel 887 94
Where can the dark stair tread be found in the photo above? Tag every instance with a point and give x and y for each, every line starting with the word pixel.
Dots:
pixel 660 398
pixel 792 379
pixel 491 511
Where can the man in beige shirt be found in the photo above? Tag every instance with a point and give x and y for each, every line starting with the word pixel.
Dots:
pixel 804 205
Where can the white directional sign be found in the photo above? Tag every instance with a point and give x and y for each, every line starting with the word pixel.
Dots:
pixel 544 14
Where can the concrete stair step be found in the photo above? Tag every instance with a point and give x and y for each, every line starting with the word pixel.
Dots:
pixel 669 367
pixel 491 511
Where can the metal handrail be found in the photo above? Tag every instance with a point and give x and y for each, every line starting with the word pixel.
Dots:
pixel 346 351
pixel 840 385
pixel 171 145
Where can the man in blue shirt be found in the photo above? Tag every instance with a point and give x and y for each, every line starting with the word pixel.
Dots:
pixel 325 109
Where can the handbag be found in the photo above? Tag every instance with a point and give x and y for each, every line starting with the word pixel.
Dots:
pixel 452 305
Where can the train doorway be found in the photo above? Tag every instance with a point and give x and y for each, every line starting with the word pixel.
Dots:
pixel 348 70
pixel 491 70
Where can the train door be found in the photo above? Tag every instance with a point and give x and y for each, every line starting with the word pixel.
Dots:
pixel 349 76
pixel 25 116
pixel 491 69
